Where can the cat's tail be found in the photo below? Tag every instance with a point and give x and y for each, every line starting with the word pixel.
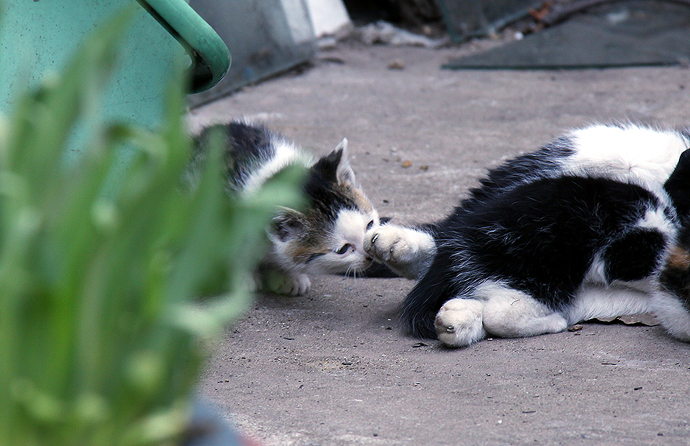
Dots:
pixel 436 287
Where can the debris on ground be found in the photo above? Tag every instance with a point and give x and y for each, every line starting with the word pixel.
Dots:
pixel 397 64
pixel 589 34
pixel 647 319
pixel 382 32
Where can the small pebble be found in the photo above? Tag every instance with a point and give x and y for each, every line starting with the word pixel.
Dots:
pixel 396 65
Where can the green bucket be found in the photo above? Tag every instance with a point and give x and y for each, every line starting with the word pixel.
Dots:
pixel 37 38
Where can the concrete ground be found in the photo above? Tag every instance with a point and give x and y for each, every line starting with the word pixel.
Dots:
pixel 332 368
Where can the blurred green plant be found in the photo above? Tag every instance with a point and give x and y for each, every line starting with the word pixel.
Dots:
pixel 102 335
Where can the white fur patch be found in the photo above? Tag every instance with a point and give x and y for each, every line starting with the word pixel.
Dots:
pixel 655 218
pixel 285 155
pixel 597 271
pixel 596 300
pixel 349 229
pixel 512 313
pixel 639 155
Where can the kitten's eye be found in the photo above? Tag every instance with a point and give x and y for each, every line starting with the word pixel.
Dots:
pixel 370 225
pixel 344 249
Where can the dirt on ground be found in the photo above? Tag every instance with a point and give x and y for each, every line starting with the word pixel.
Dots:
pixel 333 368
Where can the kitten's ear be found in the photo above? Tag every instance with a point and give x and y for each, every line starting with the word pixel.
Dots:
pixel 338 159
pixel 289 224
pixel 335 166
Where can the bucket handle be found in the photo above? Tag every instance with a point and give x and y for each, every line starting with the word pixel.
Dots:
pixel 210 56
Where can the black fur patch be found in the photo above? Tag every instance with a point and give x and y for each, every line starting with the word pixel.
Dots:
pixel 634 255
pixel 678 186
pixel 247 147
pixel 327 197
pixel 314 256
pixel 543 163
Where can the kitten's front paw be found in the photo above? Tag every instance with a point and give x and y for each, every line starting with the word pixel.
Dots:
pixel 459 322
pixel 280 283
pixel 300 285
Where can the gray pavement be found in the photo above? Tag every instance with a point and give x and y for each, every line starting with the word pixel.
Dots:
pixel 332 368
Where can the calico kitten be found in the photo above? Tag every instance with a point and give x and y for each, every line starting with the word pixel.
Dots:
pixel 327 236
pixel 576 230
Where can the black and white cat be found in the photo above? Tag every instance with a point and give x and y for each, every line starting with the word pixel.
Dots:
pixel 325 238
pixel 585 227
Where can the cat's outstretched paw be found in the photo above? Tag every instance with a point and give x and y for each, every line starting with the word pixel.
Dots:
pixel 406 251
pixel 388 244
pixel 281 283
pixel 459 322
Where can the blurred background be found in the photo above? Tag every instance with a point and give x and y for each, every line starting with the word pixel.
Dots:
pixel 267 37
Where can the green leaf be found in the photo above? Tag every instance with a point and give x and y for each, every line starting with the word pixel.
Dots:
pixel 105 316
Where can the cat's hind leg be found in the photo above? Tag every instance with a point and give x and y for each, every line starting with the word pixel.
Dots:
pixel 510 313
pixel 495 309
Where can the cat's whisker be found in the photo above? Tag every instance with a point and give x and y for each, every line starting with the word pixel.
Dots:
pixel 351 270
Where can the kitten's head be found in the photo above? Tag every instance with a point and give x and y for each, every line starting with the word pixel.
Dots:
pixel 328 236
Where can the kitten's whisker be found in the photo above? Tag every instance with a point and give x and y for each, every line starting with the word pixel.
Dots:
pixel 351 270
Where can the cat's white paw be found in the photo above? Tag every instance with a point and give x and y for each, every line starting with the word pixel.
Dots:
pixel 300 285
pixel 459 322
pixel 281 283
pixel 404 250
pixel 388 244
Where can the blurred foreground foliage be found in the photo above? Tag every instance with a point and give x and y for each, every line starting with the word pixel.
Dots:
pixel 101 332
